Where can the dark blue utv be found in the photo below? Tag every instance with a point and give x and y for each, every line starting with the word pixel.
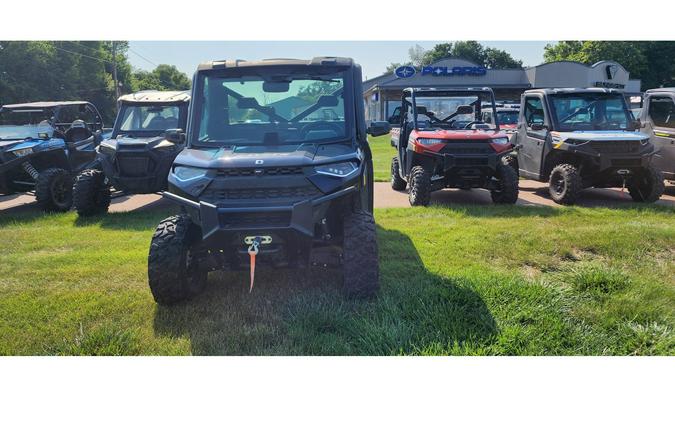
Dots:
pixel 43 145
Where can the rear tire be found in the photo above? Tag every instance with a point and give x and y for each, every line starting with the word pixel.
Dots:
pixel 174 273
pixel 565 184
pixel 420 187
pixel 91 195
pixel 360 264
pixel 54 190
pixel 507 182
pixel 647 186
pixel 397 183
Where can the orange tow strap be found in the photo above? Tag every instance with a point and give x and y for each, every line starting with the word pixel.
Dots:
pixel 252 252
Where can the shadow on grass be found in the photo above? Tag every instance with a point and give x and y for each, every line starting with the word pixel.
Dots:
pixel 304 313
pixel 140 219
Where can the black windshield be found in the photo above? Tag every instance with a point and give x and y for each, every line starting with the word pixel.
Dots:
pixel 590 111
pixel 284 108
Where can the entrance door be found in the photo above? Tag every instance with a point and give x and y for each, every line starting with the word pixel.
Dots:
pixel 532 135
pixel 660 123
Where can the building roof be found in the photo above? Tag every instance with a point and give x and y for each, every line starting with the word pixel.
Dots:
pixel 156 97
pixel 560 73
pixel 43 104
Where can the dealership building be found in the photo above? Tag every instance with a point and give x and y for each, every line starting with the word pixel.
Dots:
pixel 383 93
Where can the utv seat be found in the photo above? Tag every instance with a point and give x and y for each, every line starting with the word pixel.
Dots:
pixel 78 131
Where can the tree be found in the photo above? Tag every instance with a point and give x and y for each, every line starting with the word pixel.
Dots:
pixel 163 78
pixel 651 61
pixel 438 52
pixel 491 58
pixel 62 70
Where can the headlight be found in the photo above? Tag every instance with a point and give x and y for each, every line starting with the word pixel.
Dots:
pixel 23 151
pixel 343 169
pixel 500 141
pixel 644 141
pixel 164 144
pixel 428 141
pixel 575 141
pixel 184 173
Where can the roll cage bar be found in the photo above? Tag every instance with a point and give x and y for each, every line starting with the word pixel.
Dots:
pixel 412 94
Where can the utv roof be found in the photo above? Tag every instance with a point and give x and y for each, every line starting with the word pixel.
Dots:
pixel 664 90
pixel 316 61
pixel 43 104
pixel 547 91
pixel 156 97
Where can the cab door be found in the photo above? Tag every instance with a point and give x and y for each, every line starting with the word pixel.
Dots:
pixel 660 124
pixel 532 136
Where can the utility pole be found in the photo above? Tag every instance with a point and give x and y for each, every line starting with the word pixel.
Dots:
pixel 114 69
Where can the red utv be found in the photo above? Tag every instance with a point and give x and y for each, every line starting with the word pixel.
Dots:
pixel 442 142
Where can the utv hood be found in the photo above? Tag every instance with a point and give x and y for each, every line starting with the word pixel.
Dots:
pixel 265 156
pixel 600 135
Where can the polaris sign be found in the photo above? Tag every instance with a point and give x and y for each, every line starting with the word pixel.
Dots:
pixel 409 71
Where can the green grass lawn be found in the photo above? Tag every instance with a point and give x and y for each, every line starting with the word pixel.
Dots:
pixel 382 155
pixel 471 280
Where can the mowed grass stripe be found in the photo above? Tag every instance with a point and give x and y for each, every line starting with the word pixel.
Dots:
pixel 471 280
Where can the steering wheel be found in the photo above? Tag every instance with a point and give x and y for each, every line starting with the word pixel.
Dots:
pixel 468 125
pixel 318 126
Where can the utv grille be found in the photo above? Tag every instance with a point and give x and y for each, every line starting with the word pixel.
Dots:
pixel 626 162
pixel 253 220
pixel 272 171
pixel 616 147
pixel 133 166
pixel 461 161
pixel 303 192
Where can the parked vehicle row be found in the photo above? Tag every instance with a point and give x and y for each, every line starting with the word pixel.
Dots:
pixel 270 164
pixel 572 138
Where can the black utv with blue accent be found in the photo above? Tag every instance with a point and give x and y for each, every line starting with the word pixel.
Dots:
pixel 43 145
pixel 277 158
pixel 138 156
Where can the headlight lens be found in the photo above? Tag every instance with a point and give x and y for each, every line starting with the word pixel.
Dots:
pixel 165 144
pixel 428 141
pixel 500 141
pixel 23 151
pixel 575 141
pixel 184 173
pixel 343 169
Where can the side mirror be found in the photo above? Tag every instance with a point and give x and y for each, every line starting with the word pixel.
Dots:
pixel 378 128
pixel 638 124
pixel 538 126
pixel 176 136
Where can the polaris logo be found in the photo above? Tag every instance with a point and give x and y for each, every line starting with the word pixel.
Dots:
pixel 259 162
pixel 405 71
pixel 611 70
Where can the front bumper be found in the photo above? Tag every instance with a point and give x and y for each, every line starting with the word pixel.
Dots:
pixel 606 161
pixel 299 218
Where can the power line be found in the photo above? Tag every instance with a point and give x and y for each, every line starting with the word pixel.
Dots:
pixel 84 55
pixel 142 57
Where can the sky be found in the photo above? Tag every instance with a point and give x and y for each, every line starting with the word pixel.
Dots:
pixel 373 56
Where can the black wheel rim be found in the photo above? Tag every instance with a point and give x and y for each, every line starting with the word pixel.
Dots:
pixel 60 191
pixel 558 184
